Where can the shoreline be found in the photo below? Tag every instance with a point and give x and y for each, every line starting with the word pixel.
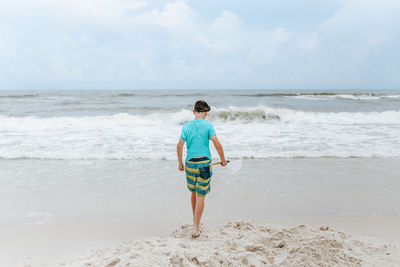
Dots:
pixel 52 243
pixel 280 188
pixel 353 196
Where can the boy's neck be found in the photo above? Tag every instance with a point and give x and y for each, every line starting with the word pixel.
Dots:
pixel 199 117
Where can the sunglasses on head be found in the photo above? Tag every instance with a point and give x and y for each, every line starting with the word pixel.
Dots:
pixel 202 110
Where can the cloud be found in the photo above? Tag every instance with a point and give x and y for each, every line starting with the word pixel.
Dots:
pixel 137 44
pixel 225 32
pixel 356 42
pixel 99 11
pixel 367 22
pixel 174 16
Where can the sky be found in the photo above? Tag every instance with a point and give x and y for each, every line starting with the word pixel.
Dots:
pixel 207 44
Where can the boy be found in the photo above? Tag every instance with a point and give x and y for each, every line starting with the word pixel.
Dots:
pixel 196 134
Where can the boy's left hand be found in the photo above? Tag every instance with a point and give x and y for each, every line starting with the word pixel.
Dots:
pixel 180 167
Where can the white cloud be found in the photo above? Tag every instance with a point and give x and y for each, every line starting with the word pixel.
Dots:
pixel 307 41
pixel 174 16
pixel 226 24
pixel 366 22
pixel 356 42
pixel 99 11
pixel 132 43
pixel 225 33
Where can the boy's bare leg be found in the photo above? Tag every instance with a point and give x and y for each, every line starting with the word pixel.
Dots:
pixel 198 212
pixel 193 203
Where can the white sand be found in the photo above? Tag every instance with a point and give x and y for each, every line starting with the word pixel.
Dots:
pixel 375 242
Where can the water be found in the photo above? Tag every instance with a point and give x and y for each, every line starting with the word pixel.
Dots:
pixel 72 155
pixel 250 123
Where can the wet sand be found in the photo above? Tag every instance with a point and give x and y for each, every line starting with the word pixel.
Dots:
pixel 55 209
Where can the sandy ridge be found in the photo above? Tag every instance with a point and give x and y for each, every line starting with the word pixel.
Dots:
pixel 244 244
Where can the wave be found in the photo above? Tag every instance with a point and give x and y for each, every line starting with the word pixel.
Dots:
pixel 252 132
pixel 70 103
pixel 284 94
pixel 259 114
pixel 158 95
pixel 264 114
pixel 245 114
pixel 18 96
pixel 127 95
pixel 326 96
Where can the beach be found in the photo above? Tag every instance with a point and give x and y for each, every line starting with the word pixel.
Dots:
pixel 358 200
pixel 374 241
pixel 90 178
pixel 139 133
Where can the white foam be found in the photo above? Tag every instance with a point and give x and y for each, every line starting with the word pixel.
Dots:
pixel 391 96
pixel 357 97
pixel 313 97
pixel 245 131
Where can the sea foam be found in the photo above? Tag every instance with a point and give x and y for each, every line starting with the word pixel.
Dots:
pixel 257 132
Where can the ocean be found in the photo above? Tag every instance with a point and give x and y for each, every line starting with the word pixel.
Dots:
pixel 138 124
pixel 81 155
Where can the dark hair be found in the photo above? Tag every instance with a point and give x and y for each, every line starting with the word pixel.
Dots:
pixel 201 106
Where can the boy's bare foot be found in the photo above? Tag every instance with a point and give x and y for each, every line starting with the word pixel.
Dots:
pixel 196 234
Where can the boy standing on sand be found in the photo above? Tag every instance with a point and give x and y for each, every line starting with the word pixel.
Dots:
pixel 196 134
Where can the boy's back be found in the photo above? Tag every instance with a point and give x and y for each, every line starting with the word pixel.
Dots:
pixel 196 134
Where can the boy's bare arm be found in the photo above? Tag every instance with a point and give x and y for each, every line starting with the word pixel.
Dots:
pixel 179 149
pixel 219 149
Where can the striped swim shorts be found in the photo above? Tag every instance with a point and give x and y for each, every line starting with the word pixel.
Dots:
pixel 198 175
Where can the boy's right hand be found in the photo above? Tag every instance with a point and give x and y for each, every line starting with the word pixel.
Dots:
pixel 224 163
pixel 180 167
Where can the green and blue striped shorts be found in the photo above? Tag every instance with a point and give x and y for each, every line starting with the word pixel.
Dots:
pixel 198 175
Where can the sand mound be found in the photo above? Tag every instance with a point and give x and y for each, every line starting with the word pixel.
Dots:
pixel 243 244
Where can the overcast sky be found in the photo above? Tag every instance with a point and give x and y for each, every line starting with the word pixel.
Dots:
pixel 132 44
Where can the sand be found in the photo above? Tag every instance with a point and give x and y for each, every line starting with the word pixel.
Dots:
pixel 245 243
pixel 100 214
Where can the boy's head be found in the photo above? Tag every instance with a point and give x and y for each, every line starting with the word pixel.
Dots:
pixel 201 107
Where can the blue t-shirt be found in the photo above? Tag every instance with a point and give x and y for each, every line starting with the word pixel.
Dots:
pixel 196 134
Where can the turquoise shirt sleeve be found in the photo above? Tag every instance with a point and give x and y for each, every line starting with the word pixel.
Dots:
pixel 211 131
pixel 183 134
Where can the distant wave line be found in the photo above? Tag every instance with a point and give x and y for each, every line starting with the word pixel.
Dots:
pixel 313 94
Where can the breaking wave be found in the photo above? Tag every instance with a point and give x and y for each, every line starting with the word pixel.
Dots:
pixel 262 114
pixel 18 96
pixel 253 132
pixel 327 96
